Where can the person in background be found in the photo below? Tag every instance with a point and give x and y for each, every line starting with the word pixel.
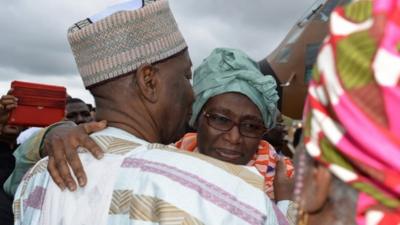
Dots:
pixel 92 110
pixel 8 143
pixel 12 137
pixel 77 111
pixel 347 169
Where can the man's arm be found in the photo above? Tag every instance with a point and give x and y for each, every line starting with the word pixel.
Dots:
pixel 59 142
pixel 26 155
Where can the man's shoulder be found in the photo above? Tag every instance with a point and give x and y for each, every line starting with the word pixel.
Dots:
pixel 168 157
pixel 114 145
pixel 163 173
pixel 200 162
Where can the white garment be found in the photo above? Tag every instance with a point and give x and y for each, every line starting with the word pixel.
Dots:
pixel 87 205
pixel 26 134
pixel 142 183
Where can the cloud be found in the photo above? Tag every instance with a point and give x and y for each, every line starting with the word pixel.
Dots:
pixel 33 37
pixel 255 26
pixel 33 43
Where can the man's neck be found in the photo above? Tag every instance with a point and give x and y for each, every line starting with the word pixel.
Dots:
pixel 133 121
pixel 134 131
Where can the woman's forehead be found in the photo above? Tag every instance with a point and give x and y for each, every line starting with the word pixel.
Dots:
pixel 235 104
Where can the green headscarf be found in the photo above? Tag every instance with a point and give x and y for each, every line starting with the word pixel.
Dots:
pixel 230 70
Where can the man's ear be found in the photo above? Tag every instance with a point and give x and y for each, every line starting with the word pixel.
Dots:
pixel 148 82
pixel 317 188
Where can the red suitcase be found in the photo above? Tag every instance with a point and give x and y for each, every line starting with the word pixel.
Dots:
pixel 38 104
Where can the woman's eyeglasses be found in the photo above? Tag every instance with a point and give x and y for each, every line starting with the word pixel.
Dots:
pixel 247 128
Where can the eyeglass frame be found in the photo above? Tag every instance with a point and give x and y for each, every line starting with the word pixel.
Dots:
pixel 207 117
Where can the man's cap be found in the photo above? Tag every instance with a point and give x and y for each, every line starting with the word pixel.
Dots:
pixel 116 43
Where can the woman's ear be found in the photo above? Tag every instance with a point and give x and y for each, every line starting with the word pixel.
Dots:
pixel 148 82
pixel 317 187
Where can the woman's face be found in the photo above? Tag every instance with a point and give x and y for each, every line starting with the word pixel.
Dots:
pixel 230 128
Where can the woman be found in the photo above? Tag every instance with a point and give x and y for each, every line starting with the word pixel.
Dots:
pixel 349 172
pixel 235 106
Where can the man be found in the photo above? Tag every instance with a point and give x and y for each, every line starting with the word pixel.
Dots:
pixel 8 143
pixel 92 110
pixel 77 111
pixel 136 65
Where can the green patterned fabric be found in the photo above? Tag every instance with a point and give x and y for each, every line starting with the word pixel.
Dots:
pixel 359 11
pixel 359 49
pixel 352 124
pixel 330 154
pixel 376 194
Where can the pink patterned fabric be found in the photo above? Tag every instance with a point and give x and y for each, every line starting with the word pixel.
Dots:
pixel 352 113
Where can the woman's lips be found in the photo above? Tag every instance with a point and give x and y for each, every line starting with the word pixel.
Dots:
pixel 228 154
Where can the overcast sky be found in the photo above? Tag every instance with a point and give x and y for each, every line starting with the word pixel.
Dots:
pixel 34 47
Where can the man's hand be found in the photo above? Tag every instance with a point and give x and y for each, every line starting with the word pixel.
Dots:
pixel 61 144
pixel 283 185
